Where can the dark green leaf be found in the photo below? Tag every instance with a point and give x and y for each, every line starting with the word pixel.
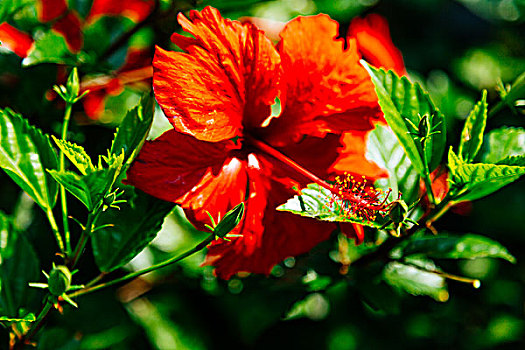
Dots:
pixel 384 149
pixel 415 280
pixel 25 153
pixel 75 185
pixel 133 130
pixel 456 247
pixel 134 226
pixel 472 135
pixel 51 47
pixel 503 143
pixel 401 100
pixel 76 154
pixel 316 202
pixel 474 181
pixel 9 7
pixel 18 266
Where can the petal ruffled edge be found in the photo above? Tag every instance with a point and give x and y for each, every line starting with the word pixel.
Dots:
pixel 324 89
pixel 226 80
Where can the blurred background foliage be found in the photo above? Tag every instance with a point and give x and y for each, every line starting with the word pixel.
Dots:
pixel 453 48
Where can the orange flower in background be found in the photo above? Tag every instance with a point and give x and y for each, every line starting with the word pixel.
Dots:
pixel 15 40
pixel 218 95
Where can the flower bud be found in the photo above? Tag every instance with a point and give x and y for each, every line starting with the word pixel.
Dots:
pixel 73 84
pixel 230 220
pixel 398 211
pixel 110 198
pixel 59 280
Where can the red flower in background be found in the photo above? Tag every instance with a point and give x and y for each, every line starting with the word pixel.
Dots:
pixel 221 89
pixel 15 40
pixel 135 72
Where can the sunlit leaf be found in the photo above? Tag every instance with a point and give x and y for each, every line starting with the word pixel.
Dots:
pixel 25 153
pixel 75 185
pixel 456 247
pixel 402 101
pixel 385 150
pixel 415 280
pixel 317 202
pixel 474 181
pixel 132 228
pixel 133 130
pixel 76 154
pixel 472 135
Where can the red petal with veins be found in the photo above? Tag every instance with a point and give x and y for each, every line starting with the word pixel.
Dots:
pixel 15 40
pixel 270 236
pixel 227 80
pixel 136 10
pixel 324 88
pixel 176 165
pixel 352 157
pixel 375 44
pixel 71 28
pixel 49 10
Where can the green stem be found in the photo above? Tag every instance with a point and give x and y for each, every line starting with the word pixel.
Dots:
pixel 428 186
pixel 62 165
pixel 132 275
pixel 26 339
pixel 84 236
pixel 54 227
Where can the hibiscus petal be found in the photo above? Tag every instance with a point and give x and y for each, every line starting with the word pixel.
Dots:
pixel 226 80
pixel 176 165
pixel 71 28
pixel 270 236
pixel 375 44
pixel 15 40
pixel 324 88
pixel 49 10
pixel 352 157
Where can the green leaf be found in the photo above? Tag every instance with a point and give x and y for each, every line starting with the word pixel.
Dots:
pixel 401 102
pixel 76 154
pixel 384 149
pixel 317 202
pixel 51 47
pixel 133 228
pixel 75 185
pixel 472 135
pixel 503 143
pixel 444 246
pixel 25 153
pixel 415 280
pixel 474 181
pixel 9 8
pixel 133 130
pixel 19 265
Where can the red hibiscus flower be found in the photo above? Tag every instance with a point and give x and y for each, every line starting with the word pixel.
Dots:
pixel 15 40
pixel 226 147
